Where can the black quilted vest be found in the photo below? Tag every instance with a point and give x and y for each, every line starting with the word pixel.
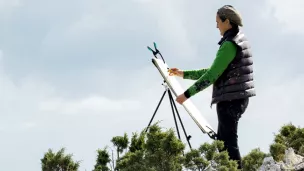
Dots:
pixel 237 80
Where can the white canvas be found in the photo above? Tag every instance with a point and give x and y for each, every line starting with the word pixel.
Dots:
pixel 176 89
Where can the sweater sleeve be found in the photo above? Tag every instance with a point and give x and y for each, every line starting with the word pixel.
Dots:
pixel 224 56
pixel 194 74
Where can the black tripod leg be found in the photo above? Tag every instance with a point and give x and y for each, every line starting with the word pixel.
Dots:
pixel 156 110
pixel 187 137
pixel 170 99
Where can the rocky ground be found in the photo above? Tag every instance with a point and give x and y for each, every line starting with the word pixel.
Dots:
pixel 292 162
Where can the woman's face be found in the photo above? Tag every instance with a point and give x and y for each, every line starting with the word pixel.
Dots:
pixel 222 26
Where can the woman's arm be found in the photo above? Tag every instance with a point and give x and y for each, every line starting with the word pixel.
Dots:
pixel 224 56
pixel 194 74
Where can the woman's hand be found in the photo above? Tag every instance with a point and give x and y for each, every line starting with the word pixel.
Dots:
pixel 175 72
pixel 181 99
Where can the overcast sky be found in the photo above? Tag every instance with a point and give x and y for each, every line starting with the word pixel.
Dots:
pixel 76 73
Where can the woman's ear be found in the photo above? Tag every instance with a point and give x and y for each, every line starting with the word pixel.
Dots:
pixel 227 21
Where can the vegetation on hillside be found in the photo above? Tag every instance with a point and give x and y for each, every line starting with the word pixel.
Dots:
pixel 161 150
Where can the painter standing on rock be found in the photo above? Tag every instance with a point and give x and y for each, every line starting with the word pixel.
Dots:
pixel 231 76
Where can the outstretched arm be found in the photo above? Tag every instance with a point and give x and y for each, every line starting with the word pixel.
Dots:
pixel 224 56
pixel 194 74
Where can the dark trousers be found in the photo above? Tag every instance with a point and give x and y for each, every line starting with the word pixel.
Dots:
pixel 229 113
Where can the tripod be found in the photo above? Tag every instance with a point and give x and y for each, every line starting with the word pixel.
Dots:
pixel 174 109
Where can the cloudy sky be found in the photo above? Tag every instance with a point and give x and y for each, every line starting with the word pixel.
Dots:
pixel 76 73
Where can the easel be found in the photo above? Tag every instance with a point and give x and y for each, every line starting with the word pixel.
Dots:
pixel 172 103
pixel 174 109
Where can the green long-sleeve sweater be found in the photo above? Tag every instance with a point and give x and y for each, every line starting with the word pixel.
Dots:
pixel 206 77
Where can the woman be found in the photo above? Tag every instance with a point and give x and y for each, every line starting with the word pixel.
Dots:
pixel 231 76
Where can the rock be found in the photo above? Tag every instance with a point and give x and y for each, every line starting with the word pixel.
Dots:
pixel 291 161
pixel 299 166
pixel 269 165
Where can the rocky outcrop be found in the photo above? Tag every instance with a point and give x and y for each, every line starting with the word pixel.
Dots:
pixel 292 162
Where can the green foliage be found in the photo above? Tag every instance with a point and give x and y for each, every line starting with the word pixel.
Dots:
pixel 289 136
pixel 137 143
pixel 277 151
pixel 103 158
pixel 160 151
pixel 194 161
pixel 253 160
pixel 101 168
pixel 210 154
pixel 220 156
pixel 59 161
pixel 133 161
pixel 121 143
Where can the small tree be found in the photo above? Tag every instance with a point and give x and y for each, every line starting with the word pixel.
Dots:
pixel 210 155
pixel 103 158
pixel 253 160
pixel 289 136
pixel 159 150
pixel 156 150
pixel 59 161
pixel 121 143
pixel 137 142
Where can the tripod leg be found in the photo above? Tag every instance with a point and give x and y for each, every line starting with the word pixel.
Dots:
pixel 156 110
pixel 187 137
pixel 174 115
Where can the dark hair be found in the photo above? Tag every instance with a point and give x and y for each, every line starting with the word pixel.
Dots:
pixel 221 15
pixel 223 18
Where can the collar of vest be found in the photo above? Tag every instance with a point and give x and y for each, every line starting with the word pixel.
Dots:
pixel 229 33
